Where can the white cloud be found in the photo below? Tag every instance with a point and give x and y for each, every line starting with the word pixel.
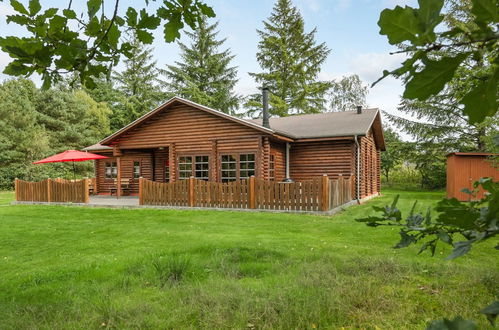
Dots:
pixel 393 3
pixel 6 9
pixel 370 66
pixel 341 5
pixel 311 5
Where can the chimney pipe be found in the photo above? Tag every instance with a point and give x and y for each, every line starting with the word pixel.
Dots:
pixel 359 109
pixel 265 111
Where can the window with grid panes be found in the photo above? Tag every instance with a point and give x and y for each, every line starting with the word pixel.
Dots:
pixel 246 165
pixel 136 170
pixel 202 167
pixel 184 167
pixel 229 168
pixel 111 170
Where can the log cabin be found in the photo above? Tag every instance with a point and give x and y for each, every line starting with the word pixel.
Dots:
pixel 180 139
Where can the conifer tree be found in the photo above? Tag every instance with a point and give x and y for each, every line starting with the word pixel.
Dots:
pixel 139 85
pixel 204 74
pixel 291 61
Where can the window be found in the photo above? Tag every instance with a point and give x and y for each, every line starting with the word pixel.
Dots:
pixel 184 167
pixel 111 170
pixel 246 165
pixel 229 168
pixel 236 167
pixel 272 168
pixel 196 166
pixel 167 171
pixel 202 166
pixel 136 169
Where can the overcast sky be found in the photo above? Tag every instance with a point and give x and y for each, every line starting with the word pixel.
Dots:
pixel 348 27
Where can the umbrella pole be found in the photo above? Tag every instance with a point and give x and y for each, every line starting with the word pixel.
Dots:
pixel 74 171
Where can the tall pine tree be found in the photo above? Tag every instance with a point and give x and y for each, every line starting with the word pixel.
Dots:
pixel 439 119
pixel 139 85
pixel 204 74
pixel 291 61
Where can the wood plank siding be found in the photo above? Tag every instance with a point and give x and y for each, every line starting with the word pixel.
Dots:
pixel 309 160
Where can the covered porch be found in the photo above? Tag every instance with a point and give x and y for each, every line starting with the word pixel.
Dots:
pixel 119 174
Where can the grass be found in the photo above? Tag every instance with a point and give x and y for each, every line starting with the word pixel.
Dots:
pixel 70 267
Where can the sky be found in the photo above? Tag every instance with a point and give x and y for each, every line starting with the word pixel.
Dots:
pixel 348 27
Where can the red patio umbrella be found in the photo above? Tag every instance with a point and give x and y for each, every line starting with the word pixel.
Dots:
pixel 70 156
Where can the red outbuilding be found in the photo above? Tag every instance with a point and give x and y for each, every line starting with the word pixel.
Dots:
pixel 464 168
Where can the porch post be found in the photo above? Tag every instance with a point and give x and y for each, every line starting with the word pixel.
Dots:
pixel 85 190
pixel 191 191
pixel 214 161
pixel 118 177
pixel 171 162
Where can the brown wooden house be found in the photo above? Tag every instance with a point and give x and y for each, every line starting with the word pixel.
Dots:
pixel 181 138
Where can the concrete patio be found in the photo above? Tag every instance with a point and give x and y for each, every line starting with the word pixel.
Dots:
pixel 106 200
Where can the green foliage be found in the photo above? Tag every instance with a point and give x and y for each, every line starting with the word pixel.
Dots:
pixel 394 154
pixel 62 41
pixel 438 49
pixel 458 323
pixel 475 221
pixel 291 61
pixel 37 123
pixel 77 268
pixel 138 85
pixel 204 74
pixel 347 93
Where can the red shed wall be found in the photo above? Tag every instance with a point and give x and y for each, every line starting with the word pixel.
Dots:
pixel 463 170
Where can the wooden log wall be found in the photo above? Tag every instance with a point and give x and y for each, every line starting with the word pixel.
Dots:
pixel 278 150
pixel 104 185
pixel 313 159
pixel 370 171
pixel 192 131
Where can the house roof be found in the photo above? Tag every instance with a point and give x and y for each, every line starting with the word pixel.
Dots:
pixel 307 126
pixel 472 154
pixel 321 125
pixel 97 146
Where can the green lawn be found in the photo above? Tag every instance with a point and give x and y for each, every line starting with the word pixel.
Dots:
pixel 70 267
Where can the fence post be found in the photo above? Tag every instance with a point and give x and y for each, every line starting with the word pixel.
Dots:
pixel 325 193
pixel 86 198
pixel 16 188
pixel 49 190
pixel 191 192
pixel 141 183
pixel 251 191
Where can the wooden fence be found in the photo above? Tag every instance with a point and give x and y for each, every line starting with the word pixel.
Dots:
pixel 58 190
pixel 320 194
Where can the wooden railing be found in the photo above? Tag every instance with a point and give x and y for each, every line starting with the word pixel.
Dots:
pixel 320 194
pixel 58 190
